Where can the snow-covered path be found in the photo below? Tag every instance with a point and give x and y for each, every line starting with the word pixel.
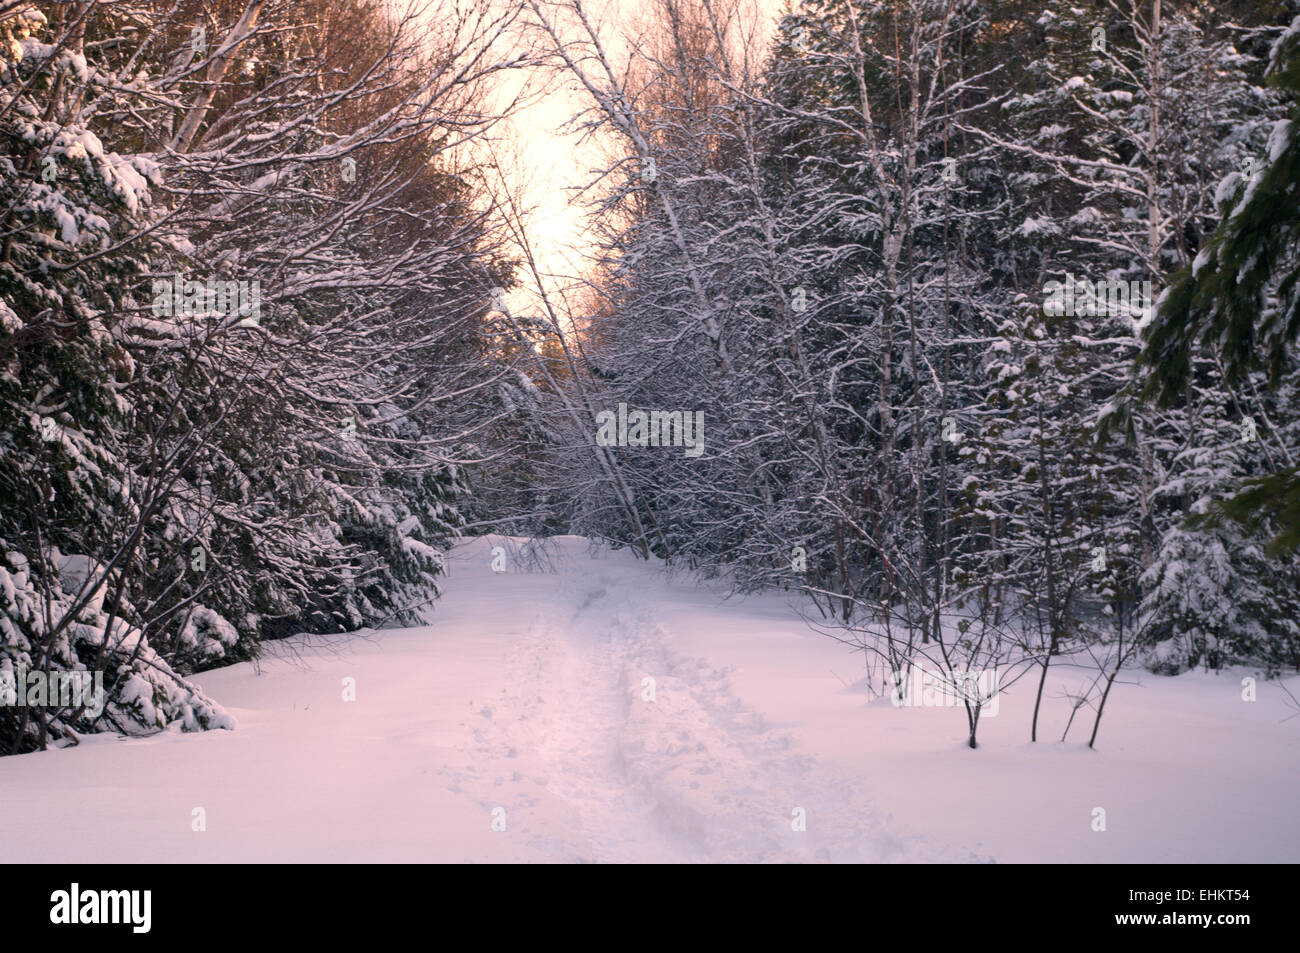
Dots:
pixel 604 745
pixel 526 705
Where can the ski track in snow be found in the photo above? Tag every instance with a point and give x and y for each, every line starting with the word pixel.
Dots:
pixel 692 775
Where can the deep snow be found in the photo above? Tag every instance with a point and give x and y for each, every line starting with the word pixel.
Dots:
pixel 527 693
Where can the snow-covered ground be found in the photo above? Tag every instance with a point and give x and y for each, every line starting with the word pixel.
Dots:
pixel 524 703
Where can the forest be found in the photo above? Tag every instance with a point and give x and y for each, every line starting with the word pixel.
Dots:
pixel 969 324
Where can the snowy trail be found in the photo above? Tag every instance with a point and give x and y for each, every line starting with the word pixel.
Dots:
pixel 525 701
pixel 683 773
